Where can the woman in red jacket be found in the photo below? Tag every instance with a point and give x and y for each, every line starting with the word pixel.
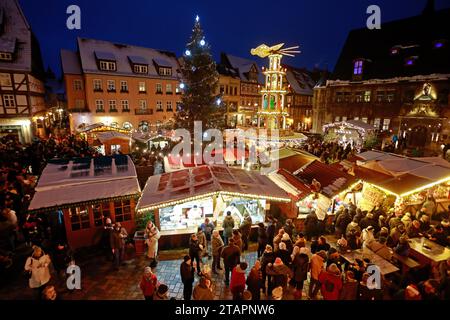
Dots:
pixel 331 282
pixel 237 285
pixel 148 284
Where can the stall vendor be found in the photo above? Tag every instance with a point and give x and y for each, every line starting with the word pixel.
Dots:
pixel 195 213
pixel 234 211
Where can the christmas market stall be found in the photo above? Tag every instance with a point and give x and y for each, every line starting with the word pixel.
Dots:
pixel 352 133
pixel 84 192
pixel 180 201
pixel 411 184
pixel 106 139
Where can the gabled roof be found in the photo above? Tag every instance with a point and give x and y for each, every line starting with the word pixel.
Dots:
pixel 242 66
pixel 90 50
pixel 70 62
pixel 203 181
pixel 414 36
pixel 300 81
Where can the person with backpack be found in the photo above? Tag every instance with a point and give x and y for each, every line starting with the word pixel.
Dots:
pixel 148 283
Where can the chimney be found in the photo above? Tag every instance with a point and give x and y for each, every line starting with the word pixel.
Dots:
pixel 429 8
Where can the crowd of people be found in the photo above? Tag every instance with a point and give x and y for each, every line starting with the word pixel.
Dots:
pixel 328 152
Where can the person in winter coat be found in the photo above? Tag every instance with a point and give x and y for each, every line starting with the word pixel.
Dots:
pixel 352 226
pixel 300 267
pixel 280 274
pixel 395 234
pixel 316 266
pixel 277 239
pixel 162 293
pixel 367 236
pixel 38 266
pixel 195 250
pixel 413 231
pixel 349 289
pixel 237 239
pixel 331 283
pixel 148 283
pixel 301 241
pixel 237 284
pixel 62 256
pixel 117 240
pixel 152 235
pixel 402 248
pixel 262 239
pixel 203 290
pixel 216 248
pixel 202 241
pixel 284 255
pixel 245 229
pixel 207 228
pixel 271 230
pixel 342 222
pixel 289 228
pixel 228 226
pixel 187 277
pixel 267 257
pixel 254 281
pixel 311 225
pixel 231 255
pixel 366 293
pixel 288 242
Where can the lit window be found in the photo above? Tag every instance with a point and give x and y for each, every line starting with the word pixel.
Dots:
pixel 79 218
pixel 359 96
pixel 158 88
pixel 159 106
pixel 77 85
pixel 101 211
pixel 386 124
pixel 8 101
pixel 122 209
pixel 6 56
pixel 168 88
pixel 165 71
pixel 390 96
pixel 107 65
pixel 112 105
pixel 111 85
pixel 344 118
pixel 125 105
pixel 169 106
pixel 364 120
pixel 123 86
pixel 5 80
pixel 97 85
pixel 380 96
pixel 356 118
pixel 357 67
pixel 143 104
pixel 99 105
pixel 376 123
pixel 142 86
pixel 138 68
pixel 367 96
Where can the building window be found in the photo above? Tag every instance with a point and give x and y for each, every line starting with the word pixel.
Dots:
pixel 143 126
pixel 339 97
pixel 79 104
pixel 97 85
pixel 390 96
pixel 359 96
pixel 376 123
pixel 77 85
pixel 177 89
pixel 364 120
pixel 114 124
pixel 344 118
pixel 357 67
pixel 336 119
pixel 79 218
pixel 122 210
pixel 6 56
pixel 159 106
pixel 112 106
pixel 367 95
pixel 107 65
pixel 165 71
pixel 142 88
pixel 222 89
pixel 168 88
pixel 235 91
pixel 356 118
pixel 123 86
pixel 125 106
pixel 5 80
pixel 169 106
pixel 386 124
pixel 138 68
pixel 143 104
pixel 111 85
pixel 8 101
pixel 347 96
pixel 158 88
pixel 99 106
pixel 101 213
pixel 127 126
pixel 380 96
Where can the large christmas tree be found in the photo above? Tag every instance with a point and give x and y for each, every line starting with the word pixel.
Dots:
pixel 200 101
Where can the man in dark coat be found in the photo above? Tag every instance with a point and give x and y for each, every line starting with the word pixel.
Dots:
pixel 231 255
pixel 187 277
pixel 311 225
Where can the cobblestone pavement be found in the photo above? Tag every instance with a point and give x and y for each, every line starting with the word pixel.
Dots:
pixel 99 281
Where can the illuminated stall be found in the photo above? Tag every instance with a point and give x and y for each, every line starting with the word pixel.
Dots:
pixel 181 200
pixel 351 133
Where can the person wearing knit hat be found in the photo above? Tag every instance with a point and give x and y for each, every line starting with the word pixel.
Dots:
pixel 278 262
pixel 148 283
pixel 277 293
pixel 280 274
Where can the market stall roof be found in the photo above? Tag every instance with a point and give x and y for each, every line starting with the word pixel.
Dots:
pixel 203 181
pixel 291 184
pixel 79 180
pixel 109 135
pixel 296 161
pixel 100 127
pixel 332 180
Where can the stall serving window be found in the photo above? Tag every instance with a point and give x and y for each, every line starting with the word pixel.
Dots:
pixel 122 210
pixel 79 218
pixel 239 208
pixel 101 212
pixel 186 216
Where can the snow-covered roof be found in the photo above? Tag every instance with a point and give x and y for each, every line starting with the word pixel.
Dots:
pixel 89 49
pixel 300 81
pixel 189 184
pixel 108 135
pixel 70 62
pixel 243 66
pixel 78 180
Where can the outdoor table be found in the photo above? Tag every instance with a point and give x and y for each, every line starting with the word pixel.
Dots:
pixel 385 266
pixel 431 251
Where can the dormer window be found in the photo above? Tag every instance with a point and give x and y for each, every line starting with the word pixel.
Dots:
pixel 163 66
pixel 358 67
pixel 7 49
pixel 5 56
pixel 140 68
pixel 139 64
pixel 165 71
pixel 106 61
